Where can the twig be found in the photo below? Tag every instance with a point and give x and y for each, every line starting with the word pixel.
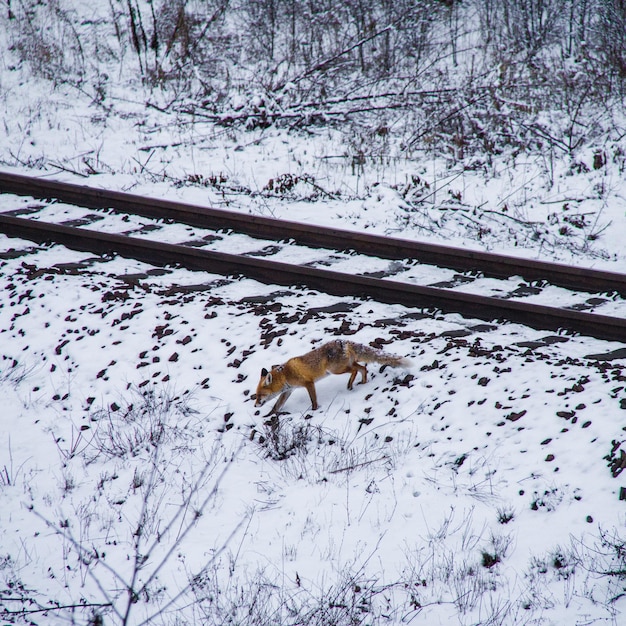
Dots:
pixel 597 233
pixel 417 136
pixel 86 552
pixel 354 466
pixel 68 169
pixel 563 200
pixel 138 559
pixel 175 546
pixel 323 64
pixel 184 590
pixel 544 134
pixel 510 217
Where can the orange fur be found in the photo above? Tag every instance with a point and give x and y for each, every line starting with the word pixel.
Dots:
pixel 334 357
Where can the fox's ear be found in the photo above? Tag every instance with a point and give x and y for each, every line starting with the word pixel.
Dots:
pixel 264 372
pixel 268 379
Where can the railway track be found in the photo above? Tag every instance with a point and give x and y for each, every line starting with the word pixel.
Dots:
pixel 414 278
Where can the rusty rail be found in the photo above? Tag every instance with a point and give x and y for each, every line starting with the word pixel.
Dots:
pixel 495 265
pixel 336 283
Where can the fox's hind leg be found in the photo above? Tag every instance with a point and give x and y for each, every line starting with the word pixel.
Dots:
pixel 310 387
pixel 356 368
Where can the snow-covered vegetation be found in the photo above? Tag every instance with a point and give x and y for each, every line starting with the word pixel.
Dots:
pixel 138 484
pixel 498 124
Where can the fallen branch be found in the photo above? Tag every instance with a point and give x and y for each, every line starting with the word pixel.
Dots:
pixel 55 607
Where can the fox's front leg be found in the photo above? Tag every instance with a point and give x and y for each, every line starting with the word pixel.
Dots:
pixel 310 387
pixel 278 405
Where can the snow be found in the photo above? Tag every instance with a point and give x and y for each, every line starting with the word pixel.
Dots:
pixel 128 428
pixel 418 487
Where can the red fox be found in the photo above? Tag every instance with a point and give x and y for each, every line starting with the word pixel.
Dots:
pixel 334 357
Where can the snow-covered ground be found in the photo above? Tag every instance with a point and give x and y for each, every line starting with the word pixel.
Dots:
pixel 128 413
pixel 139 483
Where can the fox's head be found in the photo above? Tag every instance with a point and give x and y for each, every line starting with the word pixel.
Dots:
pixel 271 384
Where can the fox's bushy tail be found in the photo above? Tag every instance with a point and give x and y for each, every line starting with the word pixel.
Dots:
pixel 374 355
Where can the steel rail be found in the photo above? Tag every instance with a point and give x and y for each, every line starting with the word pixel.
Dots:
pixel 336 283
pixel 495 265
